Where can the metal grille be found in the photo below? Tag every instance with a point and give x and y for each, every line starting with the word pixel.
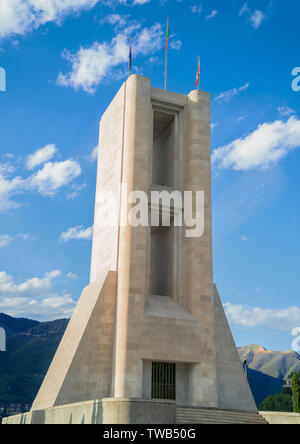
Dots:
pixel 163 380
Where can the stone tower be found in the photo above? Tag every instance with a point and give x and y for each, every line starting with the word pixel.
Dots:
pixel 149 331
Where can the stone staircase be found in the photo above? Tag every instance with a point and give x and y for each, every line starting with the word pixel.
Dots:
pixel 199 415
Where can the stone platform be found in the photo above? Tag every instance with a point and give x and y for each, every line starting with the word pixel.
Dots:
pixel 134 411
pixel 279 418
pixel 194 415
pixel 102 411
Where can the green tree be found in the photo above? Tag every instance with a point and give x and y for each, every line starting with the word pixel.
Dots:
pixel 277 403
pixel 296 393
pixel 282 402
pixel 286 391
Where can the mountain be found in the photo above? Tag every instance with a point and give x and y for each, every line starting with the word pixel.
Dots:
pixel 16 325
pixel 268 369
pixel 30 347
pixel 276 364
pixel 263 385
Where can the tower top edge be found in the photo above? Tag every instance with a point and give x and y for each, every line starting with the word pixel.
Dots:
pixel 146 79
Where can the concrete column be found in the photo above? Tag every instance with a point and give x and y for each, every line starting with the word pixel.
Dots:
pixel 198 251
pixel 135 144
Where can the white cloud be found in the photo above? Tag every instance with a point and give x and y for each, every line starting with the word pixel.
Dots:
pixel 54 10
pixel 175 44
pixel 28 287
pixel 94 154
pixel 41 156
pixel 6 239
pixel 279 319
pixel 244 9
pixel 196 9
pixel 257 18
pixel 54 307
pixel 25 237
pixel 50 308
pixel 53 274
pixel 77 233
pixel 140 2
pixel 226 96
pixel 21 16
pixel 34 298
pixel 72 276
pixel 116 20
pixel 149 40
pixel 213 14
pixel 269 143
pixel 243 237
pixel 91 65
pixel 7 156
pixel 6 168
pixel 75 190
pixel 8 187
pixel 47 180
pixel 54 175
pixel 15 17
pixel 285 110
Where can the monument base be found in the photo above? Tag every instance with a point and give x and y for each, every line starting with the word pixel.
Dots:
pixel 134 411
pixel 102 411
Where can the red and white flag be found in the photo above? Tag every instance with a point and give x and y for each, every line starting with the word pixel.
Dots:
pixel 198 74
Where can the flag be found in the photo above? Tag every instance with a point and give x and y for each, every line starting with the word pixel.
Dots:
pixel 168 33
pixel 130 57
pixel 198 74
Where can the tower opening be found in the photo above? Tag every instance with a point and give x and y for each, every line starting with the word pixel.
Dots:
pixel 163 380
pixel 163 149
pixel 161 266
pixel 163 176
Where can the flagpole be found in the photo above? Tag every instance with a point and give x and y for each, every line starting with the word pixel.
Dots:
pixel 166 69
pixel 199 72
pixel 130 57
pixel 166 61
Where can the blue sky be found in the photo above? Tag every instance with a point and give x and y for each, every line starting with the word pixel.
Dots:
pixel 65 60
